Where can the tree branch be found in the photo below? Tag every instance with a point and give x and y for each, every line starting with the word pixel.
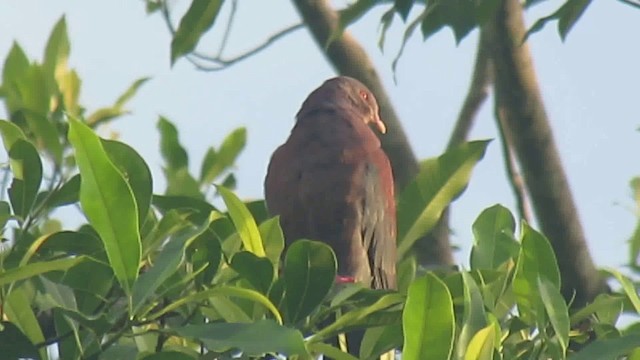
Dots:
pixel 525 121
pixel 218 61
pixel 348 57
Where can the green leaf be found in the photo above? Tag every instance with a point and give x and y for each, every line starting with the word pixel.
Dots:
pixel 180 182
pixel 536 259
pixel 602 303
pixel 57 50
pixel 474 318
pixel 35 97
pixel 135 171
pixel 174 155
pixel 610 348
pixel 14 344
pixel 428 321
pixel 556 309
pixel 273 239
pixel 494 242
pixel 222 291
pixel 37 268
pixel 15 67
pixel 258 271
pixel 628 287
pixel 439 182
pixel 482 344
pixel 309 272
pixel 348 16
pixel 168 355
pixel 198 19
pixel 10 134
pixel 17 308
pixel 68 194
pixel 5 213
pixel 108 203
pixel 403 7
pixel 253 339
pixel 167 263
pixel 243 221
pixel 117 109
pixel 567 16
pixel 215 163
pixel 27 176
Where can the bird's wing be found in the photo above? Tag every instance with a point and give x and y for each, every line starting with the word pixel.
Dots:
pixel 341 197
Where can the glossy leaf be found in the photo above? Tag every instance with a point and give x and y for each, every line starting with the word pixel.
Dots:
pixel 482 344
pixel 27 176
pixel 439 182
pixel 135 171
pixel 253 339
pixel 243 221
pixel 428 321
pixel 309 272
pixel 198 19
pixel 108 203
pixel 494 242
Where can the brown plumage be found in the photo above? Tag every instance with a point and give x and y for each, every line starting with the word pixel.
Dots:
pixel 331 181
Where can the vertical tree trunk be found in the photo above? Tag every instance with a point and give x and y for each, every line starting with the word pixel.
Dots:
pixel 525 120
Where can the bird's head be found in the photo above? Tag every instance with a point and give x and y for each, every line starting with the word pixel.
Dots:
pixel 344 93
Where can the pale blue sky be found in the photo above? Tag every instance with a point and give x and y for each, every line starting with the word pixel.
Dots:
pixel 590 84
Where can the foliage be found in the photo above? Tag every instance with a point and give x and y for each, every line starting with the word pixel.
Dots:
pixel 154 276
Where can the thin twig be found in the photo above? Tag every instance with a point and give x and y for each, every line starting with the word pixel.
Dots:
pixel 515 180
pixel 218 62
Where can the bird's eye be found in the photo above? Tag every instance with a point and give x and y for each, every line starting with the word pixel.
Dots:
pixel 364 95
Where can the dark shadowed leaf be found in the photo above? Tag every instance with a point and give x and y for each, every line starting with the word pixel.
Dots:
pixel 14 344
pixel 166 263
pixel 68 194
pixel 609 348
pixel 428 321
pixel 198 19
pixel 309 272
pixel 27 176
pixel 567 16
pixel 258 271
pixel 253 339
pixel 108 203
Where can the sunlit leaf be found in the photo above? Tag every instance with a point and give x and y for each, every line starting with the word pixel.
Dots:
pixel 17 308
pixel 243 221
pixel 428 321
pixel 494 242
pixel 215 162
pixel 37 268
pixel 474 318
pixel 556 309
pixel 439 182
pixel 482 344
pixel 117 109
pixel 108 203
